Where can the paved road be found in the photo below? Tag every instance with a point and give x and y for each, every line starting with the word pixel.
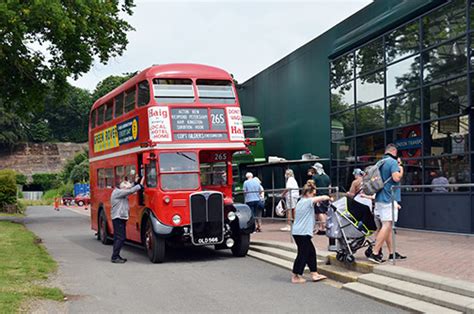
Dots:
pixel 193 280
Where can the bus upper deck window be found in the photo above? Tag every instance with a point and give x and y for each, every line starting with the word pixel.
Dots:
pixel 93 118
pixel 215 91
pixel 130 100
pixel 109 111
pixel 100 115
pixel 143 97
pixel 173 91
pixel 119 105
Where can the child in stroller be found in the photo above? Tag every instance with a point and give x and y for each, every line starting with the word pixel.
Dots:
pixel 351 223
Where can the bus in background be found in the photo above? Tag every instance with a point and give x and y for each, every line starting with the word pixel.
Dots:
pixel 178 125
pixel 254 154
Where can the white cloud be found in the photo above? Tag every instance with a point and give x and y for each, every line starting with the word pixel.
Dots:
pixel 241 37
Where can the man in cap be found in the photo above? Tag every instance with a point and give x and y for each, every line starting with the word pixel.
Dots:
pixel 323 183
pixel 120 213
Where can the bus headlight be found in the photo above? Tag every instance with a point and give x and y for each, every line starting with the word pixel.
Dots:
pixel 231 216
pixel 166 199
pixel 176 219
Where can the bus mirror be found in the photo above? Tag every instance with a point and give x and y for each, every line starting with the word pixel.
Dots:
pixel 146 158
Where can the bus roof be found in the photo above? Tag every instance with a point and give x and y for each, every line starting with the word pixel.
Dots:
pixel 250 120
pixel 174 70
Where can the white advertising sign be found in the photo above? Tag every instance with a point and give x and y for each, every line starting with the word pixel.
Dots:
pixel 159 124
pixel 236 127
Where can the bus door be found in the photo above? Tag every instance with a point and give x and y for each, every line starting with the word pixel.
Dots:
pixel 133 232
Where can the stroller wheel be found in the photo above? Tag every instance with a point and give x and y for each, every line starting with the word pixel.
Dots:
pixel 340 256
pixel 350 258
pixel 368 252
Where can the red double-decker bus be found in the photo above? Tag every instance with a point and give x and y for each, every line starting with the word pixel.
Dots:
pixel 178 125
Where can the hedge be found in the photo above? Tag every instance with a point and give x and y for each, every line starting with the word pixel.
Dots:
pixel 8 190
pixel 46 181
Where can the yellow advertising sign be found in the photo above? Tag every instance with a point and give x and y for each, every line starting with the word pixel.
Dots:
pixel 106 139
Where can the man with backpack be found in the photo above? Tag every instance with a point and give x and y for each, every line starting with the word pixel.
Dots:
pixel 380 178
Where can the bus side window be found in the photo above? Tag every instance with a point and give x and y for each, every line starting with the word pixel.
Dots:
pixel 143 95
pixel 119 174
pixel 109 111
pixel 93 118
pixel 101 178
pixel 100 115
pixel 130 172
pixel 130 100
pixel 119 105
pixel 150 170
pixel 109 177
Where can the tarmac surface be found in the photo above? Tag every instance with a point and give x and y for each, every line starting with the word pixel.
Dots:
pixel 191 280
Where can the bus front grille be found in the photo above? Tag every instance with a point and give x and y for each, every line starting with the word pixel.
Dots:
pixel 207 218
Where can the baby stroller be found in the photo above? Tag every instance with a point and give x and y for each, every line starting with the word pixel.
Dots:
pixel 351 224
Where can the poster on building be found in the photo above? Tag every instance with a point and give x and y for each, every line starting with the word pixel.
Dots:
pixel 236 128
pixel 159 126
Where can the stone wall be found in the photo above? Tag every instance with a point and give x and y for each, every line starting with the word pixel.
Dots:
pixel 31 158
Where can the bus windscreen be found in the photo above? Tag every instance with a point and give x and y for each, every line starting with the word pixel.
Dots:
pixel 215 91
pixel 173 90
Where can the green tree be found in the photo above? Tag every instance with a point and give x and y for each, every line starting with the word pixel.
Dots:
pixel 109 83
pixel 80 173
pixel 50 40
pixel 11 127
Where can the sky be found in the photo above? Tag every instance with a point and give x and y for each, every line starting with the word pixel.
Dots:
pixel 241 37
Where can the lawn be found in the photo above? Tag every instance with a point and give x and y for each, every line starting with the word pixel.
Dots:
pixel 24 262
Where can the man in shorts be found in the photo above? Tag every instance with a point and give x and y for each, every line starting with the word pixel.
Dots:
pixel 323 183
pixel 392 173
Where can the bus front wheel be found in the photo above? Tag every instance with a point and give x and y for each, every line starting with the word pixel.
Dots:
pixel 241 245
pixel 155 246
pixel 103 234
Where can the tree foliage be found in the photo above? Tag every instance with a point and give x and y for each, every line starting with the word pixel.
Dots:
pixel 7 189
pixel 109 83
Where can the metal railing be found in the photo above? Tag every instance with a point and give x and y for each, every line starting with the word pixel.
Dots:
pixel 420 186
pixel 278 194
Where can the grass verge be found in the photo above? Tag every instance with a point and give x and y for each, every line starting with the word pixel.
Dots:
pixel 23 263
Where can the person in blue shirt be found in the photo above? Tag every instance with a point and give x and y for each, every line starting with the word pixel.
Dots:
pixel 391 172
pixel 302 231
pixel 252 190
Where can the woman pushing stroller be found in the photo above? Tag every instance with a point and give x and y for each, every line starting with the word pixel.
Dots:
pixel 302 232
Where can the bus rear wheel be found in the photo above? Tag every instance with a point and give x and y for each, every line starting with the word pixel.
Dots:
pixel 154 245
pixel 103 234
pixel 241 245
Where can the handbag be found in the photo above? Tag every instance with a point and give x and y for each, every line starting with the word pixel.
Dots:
pixel 280 209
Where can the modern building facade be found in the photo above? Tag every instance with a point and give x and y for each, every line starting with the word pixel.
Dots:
pixel 395 72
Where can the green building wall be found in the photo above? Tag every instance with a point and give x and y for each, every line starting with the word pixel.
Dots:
pixel 291 97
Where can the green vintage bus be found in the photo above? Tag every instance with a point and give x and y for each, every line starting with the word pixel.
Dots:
pixel 240 160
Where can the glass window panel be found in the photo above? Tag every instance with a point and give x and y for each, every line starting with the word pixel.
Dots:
pixel 454 168
pixel 93 118
pixel 370 87
pixel 370 147
pixel 130 173
pixel 342 97
pixel 445 61
pixel 342 124
pixel 403 109
pixel 408 141
pixel 213 174
pixel 448 98
pixel 402 42
pixel 370 117
pixel 215 91
pixel 143 94
pixel 342 176
pixel 403 76
pixel 109 111
pixel 448 136
pixel 412 174
pixel 342 151
pixel 447 22
pixel 179 181
pixel 119 105
pixel 151 177
pixel 180 161
pixel 130 100
pixel 173 90
pixel 101 178
pixel 119 175
pixel 342 69
pixel 100 115
pixel 109 177
pixel 370 57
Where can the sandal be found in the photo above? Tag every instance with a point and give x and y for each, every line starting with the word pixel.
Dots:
pixel 297 279
pixel 318 277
